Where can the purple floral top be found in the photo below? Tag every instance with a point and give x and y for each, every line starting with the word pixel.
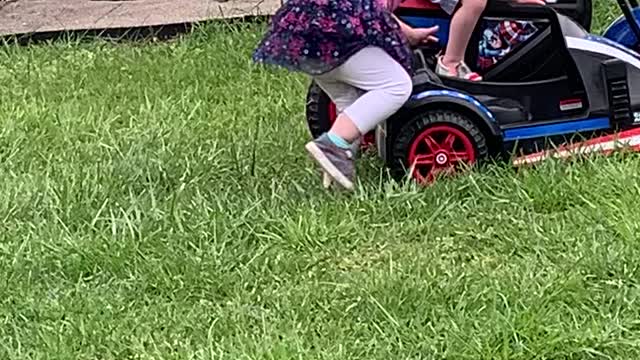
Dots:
pixel 315 36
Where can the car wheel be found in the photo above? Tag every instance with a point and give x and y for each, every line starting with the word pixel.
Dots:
pixel 435 143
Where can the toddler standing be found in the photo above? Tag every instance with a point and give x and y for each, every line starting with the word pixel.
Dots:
pixel 358 52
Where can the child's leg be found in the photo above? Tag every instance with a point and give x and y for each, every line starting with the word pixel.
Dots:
pixel 342 95
pixel 386 86
pixel 463 23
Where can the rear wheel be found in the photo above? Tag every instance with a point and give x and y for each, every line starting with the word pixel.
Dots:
pixel 322 113
pixel 437 143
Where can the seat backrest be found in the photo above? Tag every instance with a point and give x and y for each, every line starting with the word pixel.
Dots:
pixel 542 56
pixel 580 11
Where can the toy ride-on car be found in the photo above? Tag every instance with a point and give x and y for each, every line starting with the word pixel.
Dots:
pixel 321 112
pixel 545 79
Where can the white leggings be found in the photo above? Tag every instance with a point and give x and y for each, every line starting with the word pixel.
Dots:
pixel 369 87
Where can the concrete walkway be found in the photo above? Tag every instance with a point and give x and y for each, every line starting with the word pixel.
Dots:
pixel 37 16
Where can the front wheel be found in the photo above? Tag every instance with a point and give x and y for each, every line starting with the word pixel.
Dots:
pixel 434 143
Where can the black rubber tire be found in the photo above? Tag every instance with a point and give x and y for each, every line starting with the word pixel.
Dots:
pixel 399 161
pixel 317 110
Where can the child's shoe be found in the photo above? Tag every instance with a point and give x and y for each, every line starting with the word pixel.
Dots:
pixel 327 181
pixel 335 162
pixel 462 69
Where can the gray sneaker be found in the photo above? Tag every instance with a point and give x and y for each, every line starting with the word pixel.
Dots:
pixel 337 164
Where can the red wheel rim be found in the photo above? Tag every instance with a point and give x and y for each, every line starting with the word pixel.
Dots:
pixel 367 140
pixel 440 149
pixel 333 113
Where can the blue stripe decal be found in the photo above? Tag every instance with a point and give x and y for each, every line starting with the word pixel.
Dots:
pixel 622 47
pixel 556 129
pixel 454 94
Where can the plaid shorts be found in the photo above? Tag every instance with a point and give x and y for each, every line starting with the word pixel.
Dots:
pixel 449 6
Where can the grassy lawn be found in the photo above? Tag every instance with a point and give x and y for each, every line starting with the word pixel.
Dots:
pixel 605 11
pixel 156 203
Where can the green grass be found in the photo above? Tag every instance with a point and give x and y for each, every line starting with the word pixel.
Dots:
pixel 156 203
pixel 605 11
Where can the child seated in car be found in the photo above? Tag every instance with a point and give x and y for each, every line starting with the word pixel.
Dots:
pixel 466 14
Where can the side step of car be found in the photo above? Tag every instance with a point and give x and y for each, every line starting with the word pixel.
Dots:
pixel 617 88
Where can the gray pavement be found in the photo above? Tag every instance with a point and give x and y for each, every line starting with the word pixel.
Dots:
pixel 34 16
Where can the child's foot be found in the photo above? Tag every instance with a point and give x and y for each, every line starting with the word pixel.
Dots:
pixel 461 71
pixel 335 162
pixel 327 181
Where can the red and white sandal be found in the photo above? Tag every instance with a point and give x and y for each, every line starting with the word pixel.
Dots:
pixel 462 69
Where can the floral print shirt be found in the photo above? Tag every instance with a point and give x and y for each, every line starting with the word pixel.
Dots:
pixel 315 36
